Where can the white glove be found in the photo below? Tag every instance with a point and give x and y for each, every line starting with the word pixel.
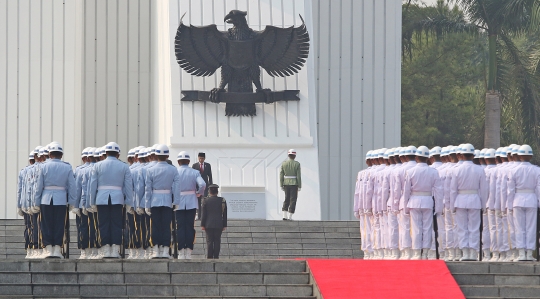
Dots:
pixel 282 188
pixel 148 211
pixel 510 212
pixel 35 210
pixel 84 211
pixel 369 212
pixel 299 189
pixel 174 207
pixel 76 211
pixel 20 212
pixel 139 211
pixel 356 215
pixel 94 208
pixel 498 213
pixel 129 209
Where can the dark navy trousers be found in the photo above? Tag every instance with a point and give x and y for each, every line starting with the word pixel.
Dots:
pixel 110 223
pixel 185 228
pixel 161 226
pixel 53 219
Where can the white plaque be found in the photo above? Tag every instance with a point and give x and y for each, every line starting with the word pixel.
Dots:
pixel 245 205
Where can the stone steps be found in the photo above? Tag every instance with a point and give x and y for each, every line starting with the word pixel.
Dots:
pixel 497 280
pixel 246 239
pixel 155 279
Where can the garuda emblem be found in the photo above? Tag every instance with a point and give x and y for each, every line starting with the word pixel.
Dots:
pixel 241 52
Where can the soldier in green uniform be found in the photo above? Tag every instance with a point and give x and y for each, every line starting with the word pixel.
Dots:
pixel 290 181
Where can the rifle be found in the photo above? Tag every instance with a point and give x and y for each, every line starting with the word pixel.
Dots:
pixel 66 234
pixel 175 244
pixel 436 229
pixel 122 247
pixel 537 235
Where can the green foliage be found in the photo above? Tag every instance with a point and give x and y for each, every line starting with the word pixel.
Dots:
pixel 446 66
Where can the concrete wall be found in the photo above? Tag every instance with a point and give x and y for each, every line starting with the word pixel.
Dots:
pixel 85 72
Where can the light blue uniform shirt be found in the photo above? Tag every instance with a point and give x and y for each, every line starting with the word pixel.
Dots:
pixel 79 171
pixel 134 169
pixel 161 178
pixel 55 182
pixel 30 177
pixel 21 188
pixel 189 180
pixel 111 177
pixel 85 185
pixel 140 184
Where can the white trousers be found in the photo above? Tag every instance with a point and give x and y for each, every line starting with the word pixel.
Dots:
pixel 525 227
pixel 502 224
pixel 449 228
pixel 367 242
pixel 384 229
pixel 486 240
pixel 393 231
pixel 421 228
pixel 404 230
pixel 511 230
pixel 468 228
pixel 494 233
pixel 376 232
pixel 441 231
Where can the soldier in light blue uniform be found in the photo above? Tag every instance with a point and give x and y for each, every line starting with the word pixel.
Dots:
pixel 78 217
pixel 161 185
pixel 90 237
pixel 35 219
pixel 55 187
pixel 132 243
pixel 111 187
pixel 140 199
pixel 21 206
pixel 185 206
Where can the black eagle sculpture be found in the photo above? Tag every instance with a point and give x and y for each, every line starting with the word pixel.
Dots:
pixel 240 52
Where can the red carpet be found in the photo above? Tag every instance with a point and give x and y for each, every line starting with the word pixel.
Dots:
pixel 347 279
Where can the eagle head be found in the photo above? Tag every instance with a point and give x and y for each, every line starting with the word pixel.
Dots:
pixel 236 17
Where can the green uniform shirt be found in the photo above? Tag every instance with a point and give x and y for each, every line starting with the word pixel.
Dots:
pixel 289 175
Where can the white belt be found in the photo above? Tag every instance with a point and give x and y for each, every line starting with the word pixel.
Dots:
pixel 54 188
pixel 525 191
pixel 161 191
pixel 187 192
pixel 420 193
pixel 290 177
pixel 471 191
pixel 109 188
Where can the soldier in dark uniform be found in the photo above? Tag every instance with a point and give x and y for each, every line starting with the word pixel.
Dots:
pixel 213 220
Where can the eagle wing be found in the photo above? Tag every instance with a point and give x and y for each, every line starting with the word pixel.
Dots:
pixel 282 51
pixel 200 50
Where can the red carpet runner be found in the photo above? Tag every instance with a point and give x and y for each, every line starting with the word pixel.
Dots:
pixel 347 279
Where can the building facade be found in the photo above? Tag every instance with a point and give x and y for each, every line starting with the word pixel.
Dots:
pixel 87 72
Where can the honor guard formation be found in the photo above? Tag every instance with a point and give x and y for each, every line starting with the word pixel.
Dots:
pixel 134 207
pixel 453 203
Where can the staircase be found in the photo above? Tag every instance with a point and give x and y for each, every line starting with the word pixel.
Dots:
pixel 155 279
pixel 491 280
pixel 243 239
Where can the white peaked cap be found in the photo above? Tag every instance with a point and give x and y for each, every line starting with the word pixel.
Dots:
pixel 112 147
pixel 489 153
pixel 183 155
pixel 162 150
pixel 422 151
pixel 56 147
pixel 292 151
pixel 525 150
pixel 467 148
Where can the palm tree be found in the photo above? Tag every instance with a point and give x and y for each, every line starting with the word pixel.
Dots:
pixel 501 21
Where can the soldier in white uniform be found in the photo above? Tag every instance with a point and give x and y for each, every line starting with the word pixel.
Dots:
pixel 408 155
pixel 422 184
pixel 523 195
pixel 374 194
pixel 359 209
pixel 468 195
pixel 501 216
pixel 393 209
pixel 490 170
pixel 502 189
pixel 436 163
